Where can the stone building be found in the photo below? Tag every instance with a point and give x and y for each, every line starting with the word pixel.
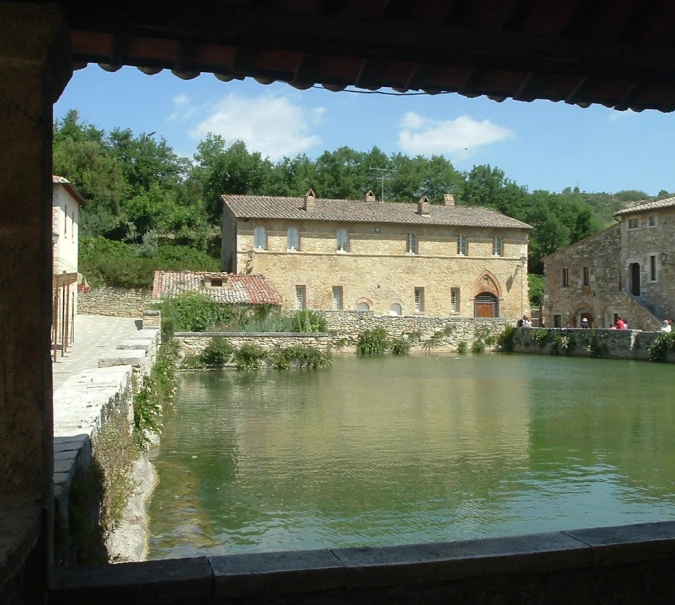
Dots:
pixel 389 258
pixel 624 271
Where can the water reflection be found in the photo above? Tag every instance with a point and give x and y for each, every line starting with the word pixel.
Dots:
pixel 415 449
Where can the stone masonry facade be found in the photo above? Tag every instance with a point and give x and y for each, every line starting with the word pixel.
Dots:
pixel 117 302
pixel 624 271
pixel 439 262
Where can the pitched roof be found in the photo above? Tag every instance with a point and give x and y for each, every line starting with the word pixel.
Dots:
pixel 360 211
pixel 59 180
pixel 667 203
pixel 236 289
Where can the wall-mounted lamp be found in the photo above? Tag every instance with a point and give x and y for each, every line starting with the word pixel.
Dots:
pixel 664 258
pixel 523 260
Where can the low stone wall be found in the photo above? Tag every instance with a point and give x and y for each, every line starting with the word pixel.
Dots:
pixel 193 343
pixel 82 406
pixel 622 344
pixel 117 302
pixel 446 332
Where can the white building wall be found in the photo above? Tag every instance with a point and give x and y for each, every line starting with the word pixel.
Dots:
pixel 65 218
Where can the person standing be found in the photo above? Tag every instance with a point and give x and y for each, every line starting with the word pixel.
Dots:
pixel 620 324
pixel 666 327
pixel 584 324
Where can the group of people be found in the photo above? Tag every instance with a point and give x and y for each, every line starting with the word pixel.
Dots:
pixel 525 322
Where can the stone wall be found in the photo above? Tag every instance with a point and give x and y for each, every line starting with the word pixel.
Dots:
pixel 377 271
pixel 621 344
pixel 447 332
pixel 117 302
pixel 193 343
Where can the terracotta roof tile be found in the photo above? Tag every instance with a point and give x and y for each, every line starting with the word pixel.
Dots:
pixel 360 211
pixel 667 203
pixel 236 289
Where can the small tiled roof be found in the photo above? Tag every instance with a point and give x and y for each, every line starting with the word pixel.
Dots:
pixel 667 203
pixel 360 211
pixel 59 180
pixel 236 289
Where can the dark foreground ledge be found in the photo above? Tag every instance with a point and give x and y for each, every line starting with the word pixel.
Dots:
pixel 626 564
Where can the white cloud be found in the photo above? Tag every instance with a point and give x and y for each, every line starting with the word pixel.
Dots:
pixel 459 137
pixel 183 108
pixel 615 115
pixel 274 126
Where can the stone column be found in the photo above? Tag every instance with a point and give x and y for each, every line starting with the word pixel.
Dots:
pixel 35 66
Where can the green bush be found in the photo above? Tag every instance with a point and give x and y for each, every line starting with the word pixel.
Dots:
pixel 309 322
pixel 596 348
pixel 372 342
pixel 462 347
pixel 478 346
pixel 218 352
pixel 505 339
pixel 399 346
pixel 249 357
pixel 300 356
pixel 662 345
pixel 194 312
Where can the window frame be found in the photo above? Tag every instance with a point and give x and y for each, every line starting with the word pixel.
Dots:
pixel 633 224
pixel 412 243
pixel 652 221
pixel 339 299
pixel 454 300
pixel 300 297
pixel 585 276
pixel 462 245
pixel 653 268
pixel 419 299
pixel 497 246
pixel 257 231
pixel 565 277
pixel 65 220
pixel 292 231
pixel 342 243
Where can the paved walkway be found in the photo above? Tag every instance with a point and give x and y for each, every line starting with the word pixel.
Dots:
pixel 94 334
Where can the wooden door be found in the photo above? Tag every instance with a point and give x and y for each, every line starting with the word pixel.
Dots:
pixel 484 309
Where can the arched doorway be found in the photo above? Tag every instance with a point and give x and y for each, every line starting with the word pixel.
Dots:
pixel 635 279
pixel 485 304
pixel 584 314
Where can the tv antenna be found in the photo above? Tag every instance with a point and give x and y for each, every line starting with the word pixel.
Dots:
pixel 386 174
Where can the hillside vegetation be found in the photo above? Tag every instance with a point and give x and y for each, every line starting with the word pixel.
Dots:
pixel 148 208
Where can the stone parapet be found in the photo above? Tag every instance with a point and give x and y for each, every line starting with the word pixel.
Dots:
pixel 118 302
pixel 620 344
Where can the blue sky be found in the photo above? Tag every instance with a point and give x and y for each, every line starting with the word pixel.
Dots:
pixel 542 145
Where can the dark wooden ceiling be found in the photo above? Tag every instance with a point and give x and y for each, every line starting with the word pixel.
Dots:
pixel 619 53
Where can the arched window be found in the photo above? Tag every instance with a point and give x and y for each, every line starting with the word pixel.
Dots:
pixel 260 238
pixel 293 239
pixel 486 305
pixel 363 306
pixel 395 310
pixel 498 246
pixel 411 243
pixel 342 240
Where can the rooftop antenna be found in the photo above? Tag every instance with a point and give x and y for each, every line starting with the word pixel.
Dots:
pixel 385 174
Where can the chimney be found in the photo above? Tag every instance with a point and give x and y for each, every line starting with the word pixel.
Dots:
pixel 370 197
pixel 423 206
pixel 310 201
pixel 448 199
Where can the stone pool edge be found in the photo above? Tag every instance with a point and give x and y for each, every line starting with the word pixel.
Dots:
pixel 584 563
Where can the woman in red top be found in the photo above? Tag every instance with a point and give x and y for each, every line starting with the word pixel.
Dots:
pixel 620 325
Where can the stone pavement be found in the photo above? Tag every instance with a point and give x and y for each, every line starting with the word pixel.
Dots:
pixel 94 336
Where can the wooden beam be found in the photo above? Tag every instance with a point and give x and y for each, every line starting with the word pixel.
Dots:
pixel 277 29
pixel 578 21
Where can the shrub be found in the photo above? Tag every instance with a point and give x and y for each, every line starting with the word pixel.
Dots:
pixel 249 357
pixel 478 346
pixel 300 356
pixel 462 347
pixel 399 346
pixel 372 342
pixel 194 312
pixel 540 336
pixel 308 322
pixel 217 352
pixel 562 344
pixel 596 348
pixel 505 339
pixel 662 345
